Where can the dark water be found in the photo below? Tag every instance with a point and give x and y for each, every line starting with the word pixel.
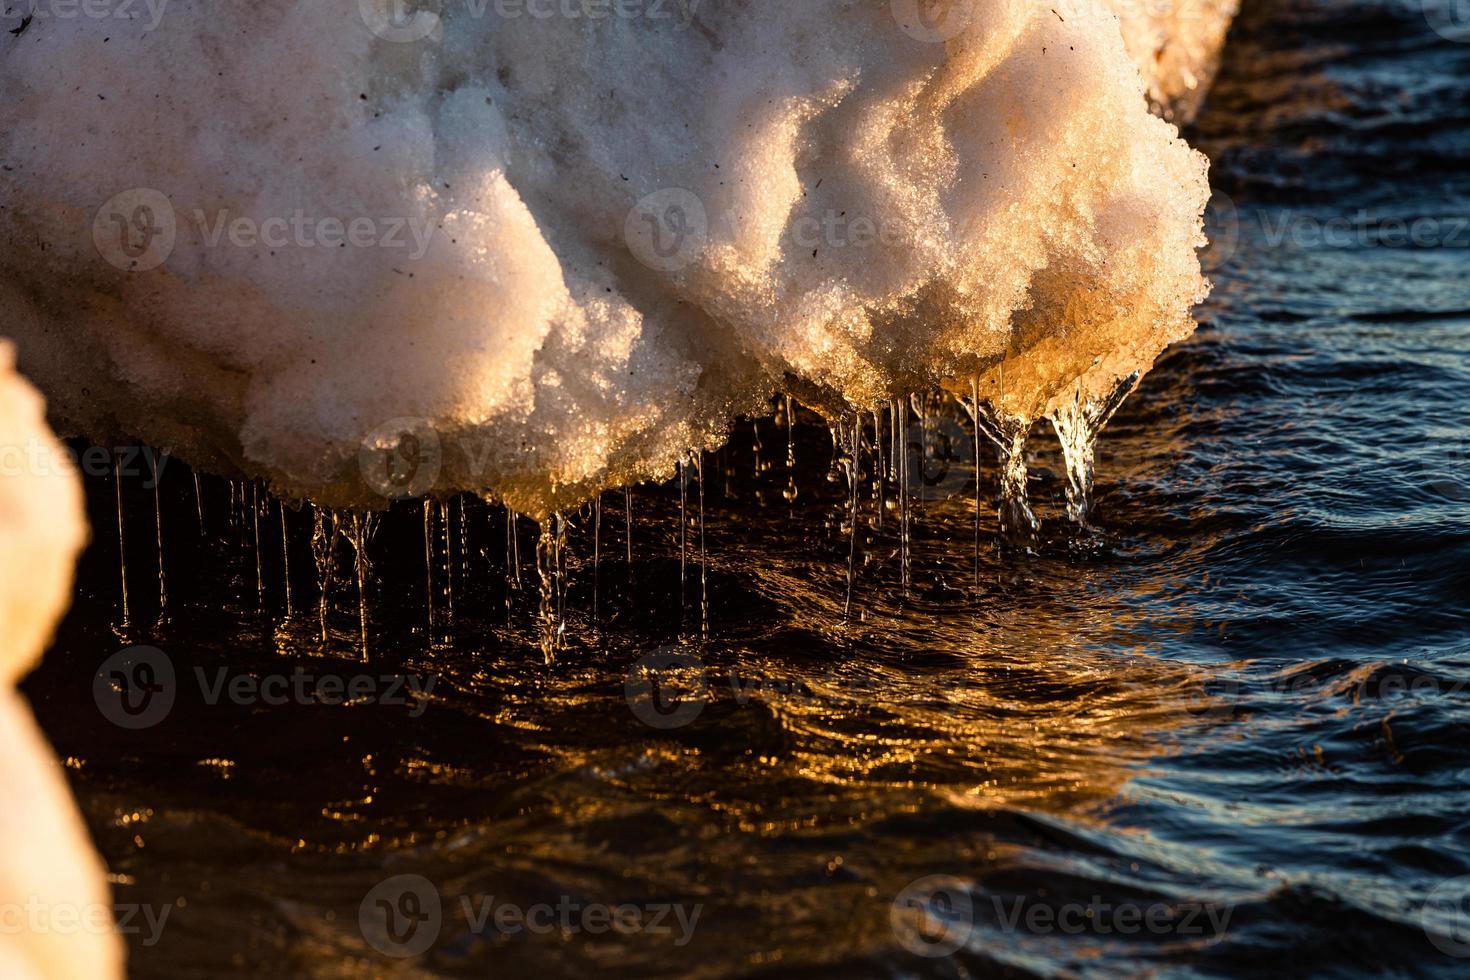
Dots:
pixel 1229 738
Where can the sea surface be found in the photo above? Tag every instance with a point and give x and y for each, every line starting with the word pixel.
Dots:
pixel 1225 734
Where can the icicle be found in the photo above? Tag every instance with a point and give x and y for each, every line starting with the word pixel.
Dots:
pixel 464 547
pixel 199 502
pixel 703 556
pixel 510 577
pixel 122 551
pixel 359 535
pixel 286 557
pixel 255 526
pixel 790 450
pixel 878 471
pixel 628 513
pixel 360 565
pixel 1018 525
pixel 900 426
pixel 448 567
pixel 596 557
pixel 562 552
pixel 850 438
pixel 515 547
pixel 1078 425
pixel 683 530
pixel 512 569
pixel 323 549
pixel 158 527
pixel 920 404
pixel 440 626
pixel 429 564
pixel 973 408
pixel 896 424
pixel 234 509
pixel 834 466
pixel 548 566
pixel 932 465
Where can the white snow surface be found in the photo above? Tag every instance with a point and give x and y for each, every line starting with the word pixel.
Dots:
pixel 537 248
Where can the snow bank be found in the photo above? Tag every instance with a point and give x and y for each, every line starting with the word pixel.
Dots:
pixel 538 247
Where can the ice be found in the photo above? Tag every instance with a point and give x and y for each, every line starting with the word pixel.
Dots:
pixel 535 256
pixel 48 869
pixel 42 525
pixel 1176 44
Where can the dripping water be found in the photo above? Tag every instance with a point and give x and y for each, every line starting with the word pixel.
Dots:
pixel 549 567
pixel 323 547
pixel 683 531
pixel 628 517
pixel 893 454
pixel 849 438
pixel 597 557
pixel 512 570
pixel 512 559
pixel 901 451
pixel 878 471
pixel 448 568
pixel 920 404
pixel 703 556
pixel 791 492
pixel 122 553
pixel 761 466
pixel 429 564
pixel 158 528
pixel 286 558
pixel 515 547
pixel 464 545
pixel 359 535
pixel 834 465
pixel 972 407
pixel 255 532
pixel 563 553
pixel 199 502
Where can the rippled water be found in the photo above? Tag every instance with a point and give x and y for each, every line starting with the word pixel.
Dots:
pixel 1225 737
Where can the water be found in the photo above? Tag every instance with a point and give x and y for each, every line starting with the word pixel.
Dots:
pixel 1244 701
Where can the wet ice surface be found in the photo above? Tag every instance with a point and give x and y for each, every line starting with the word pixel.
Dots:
pixel 1253 696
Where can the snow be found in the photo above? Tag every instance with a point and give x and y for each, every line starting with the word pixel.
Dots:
pixel 557 243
